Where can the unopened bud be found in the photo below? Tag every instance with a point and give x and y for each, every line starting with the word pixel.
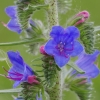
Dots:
pixel 32 79
pixel 84 16
pixel 42 51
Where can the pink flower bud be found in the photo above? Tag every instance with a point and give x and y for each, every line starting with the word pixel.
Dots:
pixel 32 79
pixel 84 14
pixel 42 51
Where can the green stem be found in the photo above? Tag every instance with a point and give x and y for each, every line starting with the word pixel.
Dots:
pixel 22 42
pixel 52 13
pixel 55 93
pixel 17 90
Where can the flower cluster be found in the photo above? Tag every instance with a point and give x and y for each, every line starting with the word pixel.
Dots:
pixel 63 44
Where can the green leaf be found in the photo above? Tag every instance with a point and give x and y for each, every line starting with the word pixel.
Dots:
pixel 73 65
pixel 16 90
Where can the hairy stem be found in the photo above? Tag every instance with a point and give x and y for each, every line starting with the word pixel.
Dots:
pixel 52 13
pixel 55 92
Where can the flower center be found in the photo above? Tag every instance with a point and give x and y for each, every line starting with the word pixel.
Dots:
pixel 62 48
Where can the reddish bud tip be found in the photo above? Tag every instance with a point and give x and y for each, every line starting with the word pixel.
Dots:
pixel 42 51
pixel 84 14
pixel 32 79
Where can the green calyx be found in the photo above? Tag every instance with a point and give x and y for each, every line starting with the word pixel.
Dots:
pixel 87 36
pixel 36 30
pixel 50 70
pixel 52 78
pixel 30 91
pixel 82 86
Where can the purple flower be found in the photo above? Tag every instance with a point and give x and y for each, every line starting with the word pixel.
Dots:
pixel 20 71
pixel 13 24
pixel 63 44
pixel 39 98
pixel 86 63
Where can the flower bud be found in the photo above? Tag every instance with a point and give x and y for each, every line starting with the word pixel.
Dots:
pixel 42 51
pixel 84 16
pixel 32 79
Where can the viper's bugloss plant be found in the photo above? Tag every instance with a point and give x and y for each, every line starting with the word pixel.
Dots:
pixel 67 56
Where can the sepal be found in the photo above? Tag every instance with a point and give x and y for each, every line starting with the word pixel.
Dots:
pixel 87 36
pixel 36 30
pixel 82 86
pixel 30 91
pixel 50 70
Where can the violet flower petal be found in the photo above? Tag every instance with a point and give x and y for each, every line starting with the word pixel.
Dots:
pixel 87 59
pixel 16 84
pixel 78 48
pixel 50 47
pixel 61 60
pixel 11 11
pixel 86 63
pixel 91 71
pixel 15 59
pixel 73 32
pixel 38 98
pixel 56 30
pixel 13 25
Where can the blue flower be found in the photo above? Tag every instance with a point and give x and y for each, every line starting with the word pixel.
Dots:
pixel 13 24
pixel 86 63
pixel 20 71
pixel 18 98
pixel 38 98
pixel 63 44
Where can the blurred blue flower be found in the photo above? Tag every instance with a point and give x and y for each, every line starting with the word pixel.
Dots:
pixel 20 71
pixel 13 24
pixel 18 98
pixel 39 98
pixel 86 63
pixel 21 98
pixel 63 44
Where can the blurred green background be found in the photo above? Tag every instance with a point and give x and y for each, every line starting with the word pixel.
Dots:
pixel 93 6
